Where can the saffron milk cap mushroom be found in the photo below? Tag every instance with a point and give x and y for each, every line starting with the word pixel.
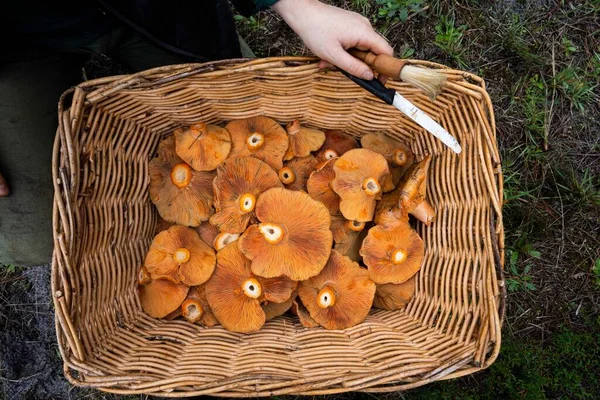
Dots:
pixel 202 146
pixel 336 144
pixel 394 296
pixel 302 140
pixel 413 192
pixel 179 255
pixel 181 194
pixel 295 172
pixel 319 187
pixel 340 296
pixel 292 237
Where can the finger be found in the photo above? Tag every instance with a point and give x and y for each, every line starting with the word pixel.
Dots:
pixel 354 66
pixel 375 43
pixel 325 64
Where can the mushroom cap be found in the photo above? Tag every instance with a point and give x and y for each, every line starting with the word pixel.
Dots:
pixel 188 204
pixel 346 236
pixel 413 190
pixel 161 297
pixel 198 293
pixel 319 187
pixel 236 179
pixel 350 289
pixel 295 172
pixel 389 212
pixel 202 146
pixel 301 312
pixel 336 144
pixel 207 233
pixel 303 239
pixel 272 140
pixel 390 296
pixel 392 256
pixel 396 153
pixel 179 255
pixel 227 295
pixel 273 310
pixel 358 178
pixel 302 140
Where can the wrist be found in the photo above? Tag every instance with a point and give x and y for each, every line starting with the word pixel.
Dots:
pixel 290 10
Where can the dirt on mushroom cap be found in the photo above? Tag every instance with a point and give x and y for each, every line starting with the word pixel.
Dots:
pixel 306 245
pixel 352 286
pixel 187 206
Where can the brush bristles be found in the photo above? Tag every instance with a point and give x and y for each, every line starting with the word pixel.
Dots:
pixel 430 80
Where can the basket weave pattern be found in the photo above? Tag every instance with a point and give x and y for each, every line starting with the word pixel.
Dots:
pixel 104 222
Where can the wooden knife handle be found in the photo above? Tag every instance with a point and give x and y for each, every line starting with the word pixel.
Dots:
pixel 382 63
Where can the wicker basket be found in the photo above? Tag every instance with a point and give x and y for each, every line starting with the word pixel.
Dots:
pixel 104 222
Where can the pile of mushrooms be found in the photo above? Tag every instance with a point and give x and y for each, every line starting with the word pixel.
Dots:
pixel 257 220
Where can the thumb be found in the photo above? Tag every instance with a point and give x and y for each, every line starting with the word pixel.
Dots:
pixel 342 59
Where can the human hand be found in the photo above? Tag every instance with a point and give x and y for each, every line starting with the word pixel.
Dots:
pixel 328 31
pixel 4 190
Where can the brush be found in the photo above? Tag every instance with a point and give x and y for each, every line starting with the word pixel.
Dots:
pixel 429 80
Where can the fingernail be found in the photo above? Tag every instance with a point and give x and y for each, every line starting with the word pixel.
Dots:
pixel 367 75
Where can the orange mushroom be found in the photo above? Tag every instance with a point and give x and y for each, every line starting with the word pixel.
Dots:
pixel 274 310
pixel 302 140
pixel 301 312
pixel 207 233
pixel 392 256
pixel 238 184
pixel 181 195
pixel 179 255
pixel 336 144
pixel 358 179
pixel 159 297
pixel 259 137
pixel 295 172
pixel 390 296
pixel 223 239
pixel 346 236
pixel 293 237
pixel 195 307
pixel 202 146
pixel 413 191
pixel 389 212
pixel 235 294
pixel 162 225
pixel 396 153
pixel 319 187
pixel 340 296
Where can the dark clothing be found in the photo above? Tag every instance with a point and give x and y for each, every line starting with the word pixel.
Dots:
pixel 196 30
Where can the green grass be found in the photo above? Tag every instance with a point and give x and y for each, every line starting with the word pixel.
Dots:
pixel 449 38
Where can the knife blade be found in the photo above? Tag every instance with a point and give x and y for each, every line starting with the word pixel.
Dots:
pixel 391 97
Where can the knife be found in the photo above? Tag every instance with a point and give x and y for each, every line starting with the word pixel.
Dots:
pixel 391 97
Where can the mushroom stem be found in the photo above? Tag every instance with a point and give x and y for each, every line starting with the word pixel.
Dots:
pixel 371 186
pixel 181 255
pixel 223 239
pixel 144 276
pixel 326 297
pixel 400 157
pixel 355 226
pixel 246 203
pixel 192 310
pixel 399 256
pixel 330 153
pixel 273 233
pixel 199 130
pixel 252 288
pixel 181 175
pixel 287 175
pixel 255 141
pixel 424 213
pixel 293 127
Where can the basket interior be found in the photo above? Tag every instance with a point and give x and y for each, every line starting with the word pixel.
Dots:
pixel 449 328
